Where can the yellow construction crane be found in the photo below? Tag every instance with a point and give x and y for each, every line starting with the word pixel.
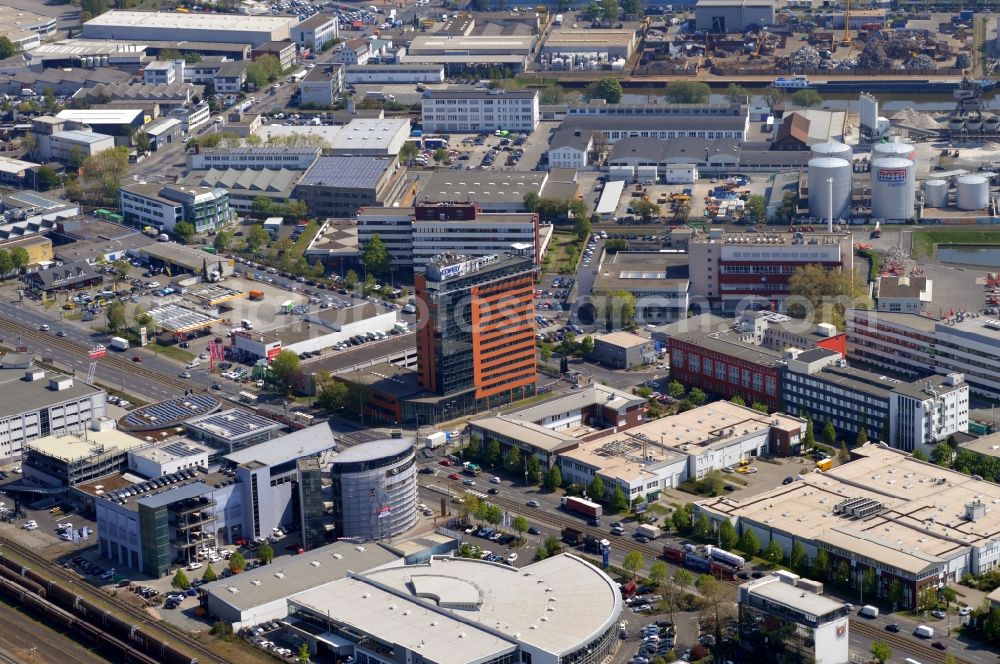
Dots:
pixel 847 24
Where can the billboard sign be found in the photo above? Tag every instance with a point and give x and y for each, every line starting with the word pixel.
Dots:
pixel 641 507
pixel 143 340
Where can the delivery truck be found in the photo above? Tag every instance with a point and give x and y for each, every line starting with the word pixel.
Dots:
pixel 647 530
pixel 572 536
pixel 868 611
pixel 581 506
pixel 435 440
pixel 118 343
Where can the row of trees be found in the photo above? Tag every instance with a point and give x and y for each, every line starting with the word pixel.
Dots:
pixel 100 177
pixel 13 261
pixel 263 206
pixel 554 209
pixel 264 70
pixel 678 92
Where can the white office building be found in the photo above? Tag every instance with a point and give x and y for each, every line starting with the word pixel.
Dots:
pixel 485 235
pixel 393 73
pixel 257 158
pixel 162 207
pixel 963 343
pixel 164 72
pixel 475 110
pixel 316 31
pixel 35 403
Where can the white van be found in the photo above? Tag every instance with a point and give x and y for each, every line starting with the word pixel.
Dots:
pixel 868 611
pixel 409 309
pixel 924 632
pixel 247 325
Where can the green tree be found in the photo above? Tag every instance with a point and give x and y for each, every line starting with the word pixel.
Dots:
pixel 475 449
pixel 534 470
pixel 545 353
pixel 581 222
pixel 920 455
pixel 675 389
pixel 774 554
pixel 513 462
pixel 553 478
pixel 697 396
pixel 646 209
pixel 738 400
pixel 829 433
pixel 102 176
pixel 843 454
pixel 141 142
pixel 220 628
pixel 658 573
pixel 821 565
pixel 47 177
pixel 633 562
pixel 587 345
pixel 688 92
pixel 209 575
pixel 609 89
pixel 824 294
pixel 115 315
pixel 180 580
pixel 842 574
pixel 285 369
pixel 703 527
pixel 408 152
pixel 264 70
pixel 736 94
pixel 798 559
pixel 520 525
pixel 7 48
pixel 257 237
pixel 749 543
pixel 683 578
pixel 759 406
pixel 304 653
pixel 184 231
pixel 351 280
pixel 807 99
pixel 810 437
pixel 237 563
pixel 222 240
pixel 942 454
pixel 263 206
pixel 862 437
pixel 531 201
pixel 493 457
pixel 596 489
pixel 881 652
pixel 141 316
pixel 756 209
pixel 376 257
pixel 332 395
pixel 869 582
pixel 727 535
pixel 618 501
pixel 19 258
pixel 610 11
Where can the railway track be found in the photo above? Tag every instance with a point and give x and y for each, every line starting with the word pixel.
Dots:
pixel 112 361
pixel 165 629
pixel 556 520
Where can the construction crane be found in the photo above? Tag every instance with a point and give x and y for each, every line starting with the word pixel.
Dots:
pixel 847 24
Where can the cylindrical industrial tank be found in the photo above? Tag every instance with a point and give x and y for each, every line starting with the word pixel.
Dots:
pixel 833 149
pixel 893 188
pixel 991 123
pixel 972 192
pixel 821 170
pixel 936 193
pixel 900 150
pixel 956 124
pixel 974 123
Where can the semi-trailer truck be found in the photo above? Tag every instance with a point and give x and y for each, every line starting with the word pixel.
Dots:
pixel 572 536
pixel 581 506
pixel 647 530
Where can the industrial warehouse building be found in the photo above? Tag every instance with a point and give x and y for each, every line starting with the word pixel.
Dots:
pixel 910 521
pixel 380 594
pixel 176 26
pixel 733 16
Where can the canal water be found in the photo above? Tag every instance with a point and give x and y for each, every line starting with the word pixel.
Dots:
pixel 970 254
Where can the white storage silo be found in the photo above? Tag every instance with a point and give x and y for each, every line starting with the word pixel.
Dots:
pixel 821 194
pixel 900 150
pixel 936 193
pixel 974 123
pixel 893 188
pixel 833 149
pixel 972 192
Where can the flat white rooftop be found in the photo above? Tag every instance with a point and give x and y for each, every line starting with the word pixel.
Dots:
pixel 193 21
pixel 101 115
